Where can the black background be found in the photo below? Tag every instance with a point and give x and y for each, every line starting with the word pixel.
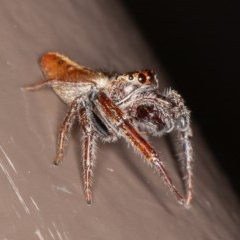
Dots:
pixel 198 44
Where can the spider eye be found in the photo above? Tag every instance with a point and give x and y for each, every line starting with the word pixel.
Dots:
pixel 130 77
pixel 182 123
pixel 150 75
pixel 141 78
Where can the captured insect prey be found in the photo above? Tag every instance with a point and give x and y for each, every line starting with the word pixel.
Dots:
pixel 111 106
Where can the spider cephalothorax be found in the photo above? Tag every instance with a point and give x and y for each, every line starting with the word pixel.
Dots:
pixel 121 105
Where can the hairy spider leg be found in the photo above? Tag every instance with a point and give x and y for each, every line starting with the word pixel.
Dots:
pixel 89 139
pixel 185 139
pixel 107 107
pixel 66 125
pixel 64 130
pixel 188 155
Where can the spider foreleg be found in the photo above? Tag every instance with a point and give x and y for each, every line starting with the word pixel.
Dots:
pixel 185 138
pixel 121 121
pixel 66 125
pixel 89 139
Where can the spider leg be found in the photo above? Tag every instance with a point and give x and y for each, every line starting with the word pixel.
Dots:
pixel 108 108
pixel 89 139
pixel 185 138
pixel 66 125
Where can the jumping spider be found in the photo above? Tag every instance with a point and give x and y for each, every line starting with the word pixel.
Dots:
pixel 119 105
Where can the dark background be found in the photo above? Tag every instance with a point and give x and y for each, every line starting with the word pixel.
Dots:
pixel 198 44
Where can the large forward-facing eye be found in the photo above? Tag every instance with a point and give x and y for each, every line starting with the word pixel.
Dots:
pixel 143 77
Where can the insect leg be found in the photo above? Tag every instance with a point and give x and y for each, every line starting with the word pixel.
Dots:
pixel 37 85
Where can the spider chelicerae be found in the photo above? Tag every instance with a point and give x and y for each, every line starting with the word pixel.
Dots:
pixel 110 106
